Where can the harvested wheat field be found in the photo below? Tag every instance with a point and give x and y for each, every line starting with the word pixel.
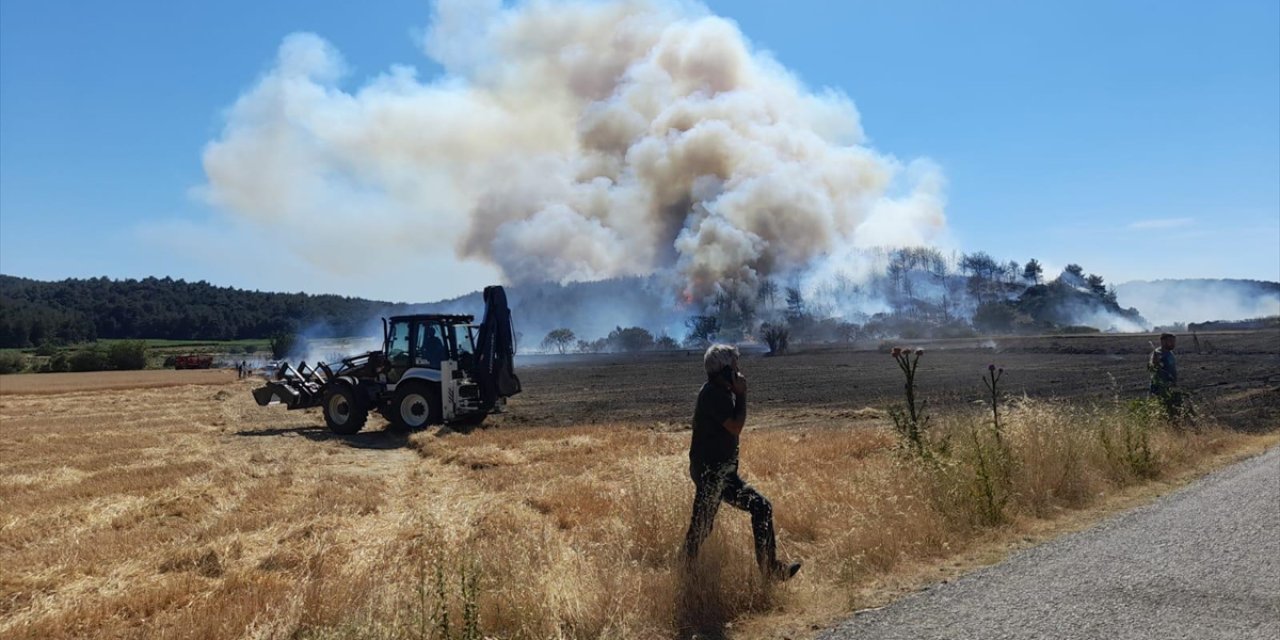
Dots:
pixel 190 512
pixel 38 383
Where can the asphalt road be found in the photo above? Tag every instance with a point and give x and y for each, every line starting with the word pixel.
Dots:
pixel 1200 563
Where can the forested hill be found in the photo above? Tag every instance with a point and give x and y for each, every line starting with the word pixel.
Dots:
pixel 34 312
pixel 989 299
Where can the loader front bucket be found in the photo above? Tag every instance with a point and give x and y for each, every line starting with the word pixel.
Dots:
pixel 284 392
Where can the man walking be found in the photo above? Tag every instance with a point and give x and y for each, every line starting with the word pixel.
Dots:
pixel 718 418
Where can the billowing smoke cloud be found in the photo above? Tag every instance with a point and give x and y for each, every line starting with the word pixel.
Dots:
pixel 1168 302
pixel 570 141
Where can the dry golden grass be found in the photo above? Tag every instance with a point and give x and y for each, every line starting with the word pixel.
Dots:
pixel 42 383
pixel 191 513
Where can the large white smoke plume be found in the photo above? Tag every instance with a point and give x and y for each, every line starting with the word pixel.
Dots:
pixel 570 141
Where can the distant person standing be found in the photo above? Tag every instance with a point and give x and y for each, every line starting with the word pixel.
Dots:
pixel 718 418
pixel 239 371
pixel 1164 375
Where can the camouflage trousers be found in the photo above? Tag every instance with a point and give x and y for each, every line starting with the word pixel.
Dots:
pixel 718 483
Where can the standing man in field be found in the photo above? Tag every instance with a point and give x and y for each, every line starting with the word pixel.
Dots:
pixel 718 418
pixel 1164 375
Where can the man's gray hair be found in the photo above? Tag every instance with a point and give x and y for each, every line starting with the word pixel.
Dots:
pixel 719 356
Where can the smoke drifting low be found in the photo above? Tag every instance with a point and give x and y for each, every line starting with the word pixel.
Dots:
pixel 571 141
pixel 1167 302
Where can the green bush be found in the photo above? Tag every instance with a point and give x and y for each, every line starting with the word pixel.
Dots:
pixel 128 355
pixel 91 359
pixel 776 336
pixel 47 350
pixel 59 363
pixel 1127 441
pixel 631 339
pixel 993 317
pixel 282 344
pixel 12 362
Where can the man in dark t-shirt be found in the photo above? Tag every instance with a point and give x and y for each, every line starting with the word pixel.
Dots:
pixel 718 418
pixel 1164 378
pixel 1163 366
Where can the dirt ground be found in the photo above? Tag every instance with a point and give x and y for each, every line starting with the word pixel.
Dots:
pixel 1235 378
pixel 188 511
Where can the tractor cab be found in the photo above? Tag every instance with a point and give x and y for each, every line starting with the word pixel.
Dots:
pixel 427 341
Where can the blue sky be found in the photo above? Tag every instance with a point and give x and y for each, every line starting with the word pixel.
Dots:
pixel 1139 139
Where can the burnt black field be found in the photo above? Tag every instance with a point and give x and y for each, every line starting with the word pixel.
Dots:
pixel 1234 376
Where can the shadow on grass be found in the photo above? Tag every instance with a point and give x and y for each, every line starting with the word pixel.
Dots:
pixel 382 439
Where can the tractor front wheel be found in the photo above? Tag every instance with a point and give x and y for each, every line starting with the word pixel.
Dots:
pixel 343 411
pixel 416 405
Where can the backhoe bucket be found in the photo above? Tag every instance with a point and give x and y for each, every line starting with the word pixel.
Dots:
pixel 284 392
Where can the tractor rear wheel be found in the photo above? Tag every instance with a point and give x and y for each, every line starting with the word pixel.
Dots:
pixel 416 405
pixel 343 411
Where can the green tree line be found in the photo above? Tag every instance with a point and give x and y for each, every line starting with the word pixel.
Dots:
pixel 71 311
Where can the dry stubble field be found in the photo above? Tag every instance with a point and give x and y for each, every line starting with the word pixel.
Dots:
pixel 189 512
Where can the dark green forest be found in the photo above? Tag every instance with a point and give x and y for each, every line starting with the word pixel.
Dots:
pixel 75 310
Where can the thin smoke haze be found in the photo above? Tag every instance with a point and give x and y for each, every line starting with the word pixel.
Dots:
pixel 571 141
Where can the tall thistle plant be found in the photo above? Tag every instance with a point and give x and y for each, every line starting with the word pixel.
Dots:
pixel 992 382
pixel 910 421
pixel 993 460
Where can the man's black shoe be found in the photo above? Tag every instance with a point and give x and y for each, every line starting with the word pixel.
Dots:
pixel 783 572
